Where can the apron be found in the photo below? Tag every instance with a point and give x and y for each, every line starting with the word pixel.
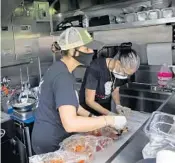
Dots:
pixel 106 104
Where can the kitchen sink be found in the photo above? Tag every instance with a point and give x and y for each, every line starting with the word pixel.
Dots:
pixel 141 97
pixel 142 105
pixel 137 86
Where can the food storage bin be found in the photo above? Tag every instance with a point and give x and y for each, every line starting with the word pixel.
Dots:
pixel 154 14
pixel 160 130
pixel 167 13
pixel 161 124
pixel 131 17
pixel 142 16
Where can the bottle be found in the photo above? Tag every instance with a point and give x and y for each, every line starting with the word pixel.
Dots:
pixel 164 75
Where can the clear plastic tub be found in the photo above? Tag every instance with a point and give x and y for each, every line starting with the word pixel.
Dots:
pixel 85 144
pixel 160 130
pixel 142 16
pixel 80 144
pixel 161 124
pixel 168 12
pixel 154 14
pixel 132 17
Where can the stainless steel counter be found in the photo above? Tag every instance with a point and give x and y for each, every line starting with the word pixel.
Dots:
pixel 132 152
pixel 128 149
pixel 135 121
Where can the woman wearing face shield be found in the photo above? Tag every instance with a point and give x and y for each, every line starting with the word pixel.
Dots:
pixel 103 79
pixel 59 114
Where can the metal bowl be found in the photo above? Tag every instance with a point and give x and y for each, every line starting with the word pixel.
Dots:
pixel 22 107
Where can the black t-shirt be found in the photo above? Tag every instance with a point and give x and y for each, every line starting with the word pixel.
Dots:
pixel 57 88
pixel 98 77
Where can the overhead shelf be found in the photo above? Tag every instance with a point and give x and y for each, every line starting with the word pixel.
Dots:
pixel 137 24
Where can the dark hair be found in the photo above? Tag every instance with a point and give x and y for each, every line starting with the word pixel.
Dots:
pixel 124 50
pixel 127 55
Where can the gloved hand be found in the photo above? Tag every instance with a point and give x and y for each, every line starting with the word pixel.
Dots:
pixel 122 110
pixel 120 122
pixel 117 122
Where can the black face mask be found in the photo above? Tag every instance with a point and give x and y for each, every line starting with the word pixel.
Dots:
pixel 84 58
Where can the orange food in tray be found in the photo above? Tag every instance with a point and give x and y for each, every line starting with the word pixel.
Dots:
pixel 62 161
pixel 79 148
pixel 59 157
pixel 81 161
pixel 57 161
pixel 80 144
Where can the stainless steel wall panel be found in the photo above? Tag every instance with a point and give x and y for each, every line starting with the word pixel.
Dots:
pixel 45 48
pixel 7 7
pixel 7 44
pixel 152 34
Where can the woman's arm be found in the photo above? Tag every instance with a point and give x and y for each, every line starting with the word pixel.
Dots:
pixel 90 101
pixel 116 96
pixel 73 123
pixel 83 112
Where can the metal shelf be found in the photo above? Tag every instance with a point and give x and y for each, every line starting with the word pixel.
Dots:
pixel 137 24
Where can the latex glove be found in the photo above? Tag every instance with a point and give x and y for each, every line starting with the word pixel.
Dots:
pixel 111 114
pixel 120 122
pixel 122 110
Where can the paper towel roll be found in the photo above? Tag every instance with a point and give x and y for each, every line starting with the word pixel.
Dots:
pixel 165 156
pixel 159 54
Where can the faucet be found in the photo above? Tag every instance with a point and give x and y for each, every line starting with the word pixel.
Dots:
pixel 172 68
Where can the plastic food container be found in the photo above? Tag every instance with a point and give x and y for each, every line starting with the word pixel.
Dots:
pixel 142 16
pixel 154 14
pixel 85 144
pixel 59 157
pixel 131 17
pixel 161 124
pixel 160 130
pixel 167 12
pixel 80 144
